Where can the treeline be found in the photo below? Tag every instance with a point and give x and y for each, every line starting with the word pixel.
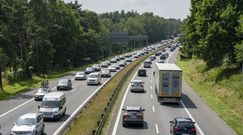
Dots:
pixel 155 27
pixel 37 36
pixel 214 32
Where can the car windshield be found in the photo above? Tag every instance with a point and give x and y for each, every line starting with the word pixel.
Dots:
pixel 42 91
pixel 50 104
pixel 137 82
pixel 133 111
pixel 64 81
pixel 80 73
pixel 185 124
pixel 25 121
pixel 89 69
pixel 93 76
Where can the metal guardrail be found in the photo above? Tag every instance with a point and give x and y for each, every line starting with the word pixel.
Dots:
pixel 100 123
pixel 104 116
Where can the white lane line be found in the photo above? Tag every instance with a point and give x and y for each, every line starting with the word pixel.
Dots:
pixel 151 87
pixel 76 111
pixel 72 79
pixel 151 96
pixel 153 108
pixel 16 107
pixel 73 90
pixel 20 105
pixel 189 114
pixel 157 129
pixel 151 81
pixel 122 104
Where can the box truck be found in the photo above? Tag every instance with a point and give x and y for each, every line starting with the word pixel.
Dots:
pixel 168 82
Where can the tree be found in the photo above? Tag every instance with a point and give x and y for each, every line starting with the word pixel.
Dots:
pixel 3 61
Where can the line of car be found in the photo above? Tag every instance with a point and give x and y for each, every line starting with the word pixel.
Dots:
pixel 53 103
pixel 135 114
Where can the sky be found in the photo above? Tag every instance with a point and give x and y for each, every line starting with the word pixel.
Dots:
pixel 163 8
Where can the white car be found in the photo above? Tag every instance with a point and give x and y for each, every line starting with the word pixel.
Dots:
pixel 137 86
pixel 80 76
pixel 112 68
pixel 94 78
pixel 104 64
pixel 29 124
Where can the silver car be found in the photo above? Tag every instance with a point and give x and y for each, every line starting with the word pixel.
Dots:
pixel 29 124
pixel 80 76
pixel 41 92
pixel 137 86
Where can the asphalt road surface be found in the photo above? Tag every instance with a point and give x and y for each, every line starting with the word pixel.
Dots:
pixel 157 116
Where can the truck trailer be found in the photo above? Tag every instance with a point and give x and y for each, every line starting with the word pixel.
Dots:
pixel 168 82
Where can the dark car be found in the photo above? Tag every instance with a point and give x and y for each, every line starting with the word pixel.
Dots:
pixel 133 115
pixel 89 70
pixel 163 50
pixel 142 72
pixel 182 126
pixel 163 57
pixel 64 84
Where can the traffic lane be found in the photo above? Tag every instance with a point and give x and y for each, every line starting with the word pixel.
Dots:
pixel 15 102
pixel 207 119
pixel 139 99
pixel 75 97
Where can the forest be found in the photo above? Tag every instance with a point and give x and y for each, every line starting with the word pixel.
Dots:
pixel 214 32
pixel 41 36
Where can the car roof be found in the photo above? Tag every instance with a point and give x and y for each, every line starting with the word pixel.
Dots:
pixel 29 115
pixel 168 66
pixel 183 119
pixel 133 108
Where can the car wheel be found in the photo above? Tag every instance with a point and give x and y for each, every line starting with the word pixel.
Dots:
pixel 64 113
pixel 124 125
pixel 141 125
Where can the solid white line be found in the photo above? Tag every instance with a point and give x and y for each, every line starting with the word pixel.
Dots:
pixel 81 106
pixel 73 90
pixel 16 107
pixel 153 108
pixel 157 129
pixel 151 96
pixel 122 104
pixel 20 105
pixel 189 114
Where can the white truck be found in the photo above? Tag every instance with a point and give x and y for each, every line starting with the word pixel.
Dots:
pixel 168 82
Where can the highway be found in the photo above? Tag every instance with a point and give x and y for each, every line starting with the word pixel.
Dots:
pixel 13 108
pixel 157 116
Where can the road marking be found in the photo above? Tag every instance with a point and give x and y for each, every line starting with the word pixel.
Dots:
pixel 122 104
pixel 189 114
pixel 73 90
pixel 153 108
pixel 16 107
pixel 151 96
pixel 20 105
pixel 72 79
pixel 151 81
pixel 157 129
pixel 151 87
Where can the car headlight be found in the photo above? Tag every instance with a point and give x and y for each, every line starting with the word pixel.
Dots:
pixel 56 112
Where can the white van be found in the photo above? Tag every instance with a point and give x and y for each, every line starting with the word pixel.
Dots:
pixel 94 78
pixel 53 105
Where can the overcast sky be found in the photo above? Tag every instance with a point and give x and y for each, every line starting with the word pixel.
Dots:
pixel 163 8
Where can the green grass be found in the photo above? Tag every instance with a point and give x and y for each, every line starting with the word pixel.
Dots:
pixel 221 88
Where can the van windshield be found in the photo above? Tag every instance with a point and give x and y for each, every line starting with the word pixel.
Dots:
pixel 93 76
pixel 50 104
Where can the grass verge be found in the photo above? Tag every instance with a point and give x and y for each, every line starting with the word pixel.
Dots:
pixel 220 87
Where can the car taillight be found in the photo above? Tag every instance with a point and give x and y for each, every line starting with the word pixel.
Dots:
pixel 194 129
pixel 176 129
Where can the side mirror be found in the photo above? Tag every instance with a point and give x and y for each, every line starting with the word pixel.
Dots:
pixel 38 107
pixel 123 109
pixel 194 122
pixel 143 109
pixel 60 107
pixel 171 122
pixel 14 123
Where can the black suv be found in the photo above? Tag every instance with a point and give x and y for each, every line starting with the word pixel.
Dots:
pixel 64 84
pixel 142 72
pixel 181 126
pixel 132 115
